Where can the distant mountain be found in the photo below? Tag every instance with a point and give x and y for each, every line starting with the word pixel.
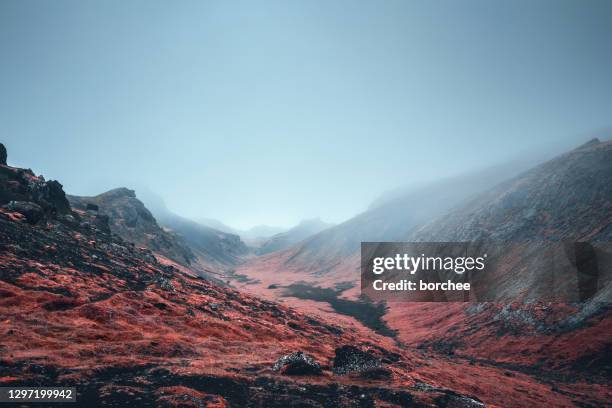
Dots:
pixel 216 224
pixel 132 221
pixel 300 232
pixel 262 231
pixel 331 257
pixel 391 218
pixel 257 231
pixel 254 236
pixel 212 247
pixel 567 199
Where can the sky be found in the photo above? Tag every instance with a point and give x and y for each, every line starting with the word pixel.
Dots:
pixel 269 112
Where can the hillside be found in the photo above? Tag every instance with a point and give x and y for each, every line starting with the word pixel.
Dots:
pixel 299 233
pixel 567 199
pixel 213 248
pixel 132 221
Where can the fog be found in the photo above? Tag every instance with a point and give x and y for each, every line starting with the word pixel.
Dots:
pixel 272 112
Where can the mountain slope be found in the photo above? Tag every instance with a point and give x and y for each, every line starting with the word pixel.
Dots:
pixel 565 199
pixel 131 220
pixel 300 232
pixel 569 198
pixel 211 246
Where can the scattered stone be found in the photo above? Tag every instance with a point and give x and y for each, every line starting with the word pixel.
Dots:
pixel 166 284
pixel 297 363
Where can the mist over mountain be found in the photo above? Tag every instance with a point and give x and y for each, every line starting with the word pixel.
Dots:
pixel 253 236
pixel 391 216
pixel 568 197
pixel 213 247
pixel 300 232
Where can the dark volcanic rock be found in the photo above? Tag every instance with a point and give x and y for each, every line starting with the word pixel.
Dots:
pixel 2 154
pixel 22 185
pixel 297 363
pixel 350 359
pixel 53 192
pixel 32 211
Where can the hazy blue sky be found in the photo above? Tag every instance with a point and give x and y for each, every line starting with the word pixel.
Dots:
pixel 269 112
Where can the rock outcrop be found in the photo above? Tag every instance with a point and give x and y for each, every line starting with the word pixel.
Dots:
pixel 131 220
pixel 32 196
pixel 298 363
pixel 352 360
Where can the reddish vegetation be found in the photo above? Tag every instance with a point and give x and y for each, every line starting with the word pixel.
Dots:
pixel 539 347
pixel 82 307
pixel 484 350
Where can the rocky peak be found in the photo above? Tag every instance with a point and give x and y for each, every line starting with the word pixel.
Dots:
pixel 119 192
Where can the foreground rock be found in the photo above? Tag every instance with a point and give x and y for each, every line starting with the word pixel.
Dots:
pixel 352 360
pixel 297 363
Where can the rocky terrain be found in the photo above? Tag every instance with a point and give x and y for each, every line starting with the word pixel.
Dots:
pixel 131 220
pixel 212 247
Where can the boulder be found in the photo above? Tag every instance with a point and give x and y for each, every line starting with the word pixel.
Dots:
pixel 53 193
pixel 352 360
pixel 298 363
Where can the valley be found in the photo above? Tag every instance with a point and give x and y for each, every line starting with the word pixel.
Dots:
pixel 98 294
